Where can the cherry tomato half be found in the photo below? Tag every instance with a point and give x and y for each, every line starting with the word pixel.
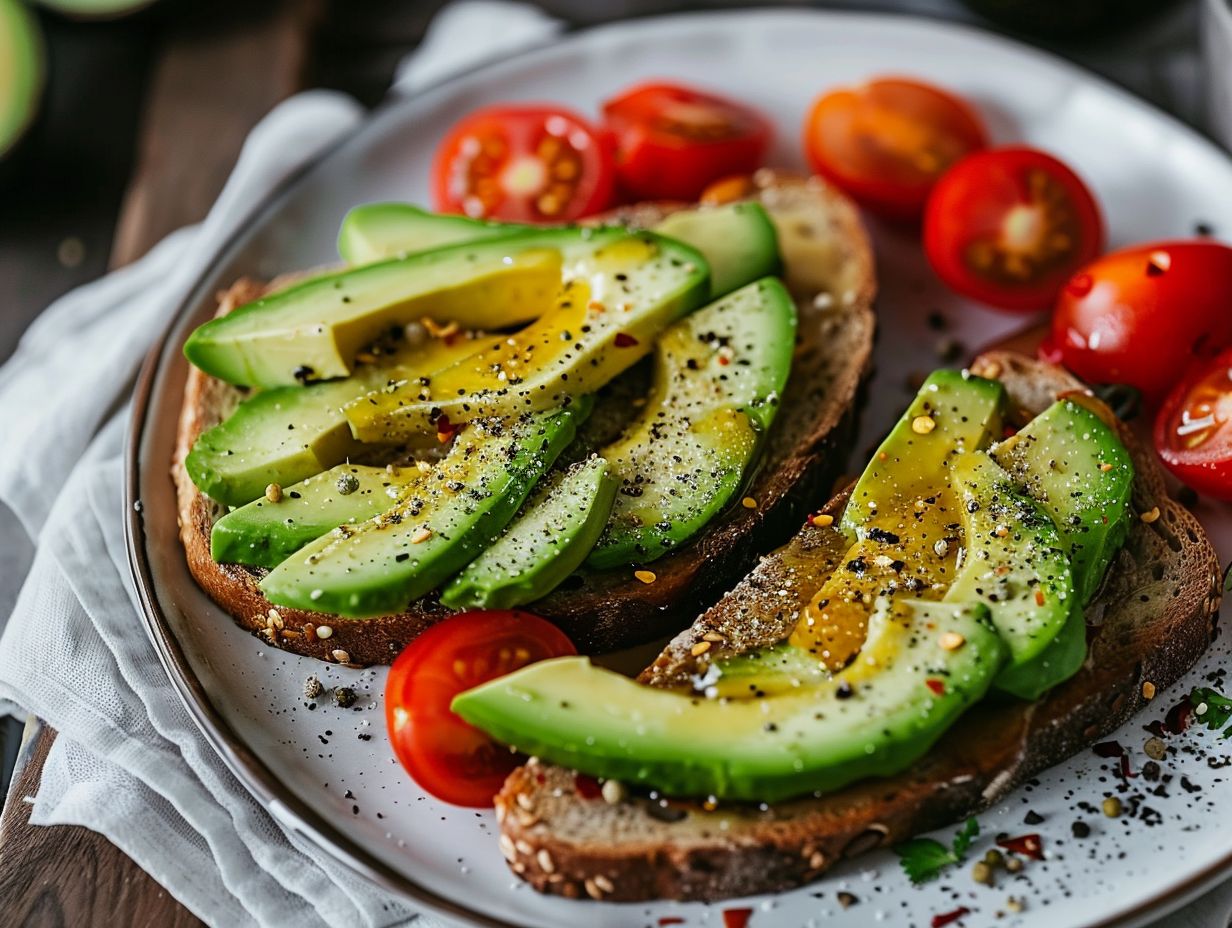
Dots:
pixel 523 164
pixel 1141 315
pixel 887 141
pixel 671 140
pixel 1193 431
pixel 443 754
pixel 1009 226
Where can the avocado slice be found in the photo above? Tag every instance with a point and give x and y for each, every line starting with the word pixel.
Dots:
pixel 738 240
pixel 1014 561
pixel 265 533
pixel 616 301
pixel 22 71
pixel 544 545
pixel 378 231
pixel 1076 467
pixel 312 331
pixel 902 516
pixel 718 377
pixel 96 9
pixel 874 718
pixel 441 523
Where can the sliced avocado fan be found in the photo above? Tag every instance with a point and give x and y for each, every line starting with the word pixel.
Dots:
pixel 21 71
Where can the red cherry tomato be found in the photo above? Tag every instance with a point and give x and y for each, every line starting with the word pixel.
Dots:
pixel 443 754
pixel 1141 315
pixel 1193 431
pixel 887 141
pixel 1009 226
pixel 671 140
pixel 523 164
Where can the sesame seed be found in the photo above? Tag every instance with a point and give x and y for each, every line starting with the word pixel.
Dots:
pixel 941 547
pixel 713 636
pixel 614 792
pixel 273 493
pixel 646 576
pixel 1105 467
pixel 424 467
pixel 525 802
pixel 1148 690
pixel 1014 904
pixel 822 519
pixel 823 301
pixel 422 534
pixel 1001 531
pixel 275 618
pixel 603 883
pixel 1150 515
pixel 341 656
pixel 989 369
pixel 700 648
pixel 922 425
pixel 544 859
pixel 592 889
pixel 324 631
pixel 749 503
pixel 952 641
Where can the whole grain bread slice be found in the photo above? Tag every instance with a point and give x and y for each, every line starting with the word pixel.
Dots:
pixel 1150 621
pixel 829 269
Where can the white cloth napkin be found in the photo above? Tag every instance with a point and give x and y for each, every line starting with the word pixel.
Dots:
pixel 129 762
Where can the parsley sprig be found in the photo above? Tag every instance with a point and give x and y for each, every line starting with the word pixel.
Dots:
pixel 923 859
pixel 1218 709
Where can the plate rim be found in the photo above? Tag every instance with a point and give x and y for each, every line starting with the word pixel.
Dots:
pixel 243 762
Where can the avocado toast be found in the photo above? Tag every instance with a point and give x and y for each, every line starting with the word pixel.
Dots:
pixel 882 770
pixel 828 270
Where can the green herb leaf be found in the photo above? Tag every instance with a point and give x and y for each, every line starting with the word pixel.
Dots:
pixel 965 836
pixel 1218 708
pixel 923 859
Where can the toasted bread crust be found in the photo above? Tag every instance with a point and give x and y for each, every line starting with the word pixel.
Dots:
pixel 609 610
pixel 1151 620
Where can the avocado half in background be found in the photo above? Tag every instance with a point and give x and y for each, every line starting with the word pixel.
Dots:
pixel 22 71
pixel 96 9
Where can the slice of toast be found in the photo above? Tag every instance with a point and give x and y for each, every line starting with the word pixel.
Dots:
pixel 828 267
pixel 1152 618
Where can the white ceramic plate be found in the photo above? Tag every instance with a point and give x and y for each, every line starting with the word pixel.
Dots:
pixel 312 768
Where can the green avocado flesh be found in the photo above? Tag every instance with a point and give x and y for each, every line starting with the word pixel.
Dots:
pixel 378 231
pixel 718 377
pixel 312 331
pixel 1013 561
pixel 952 413
pixel 543 546
pixel 265 533
pixel 286 434
pixel 21 71
pixel 1078 470
pixel 614 305
pixel 904 692
pixel 738 240
pixel 443 521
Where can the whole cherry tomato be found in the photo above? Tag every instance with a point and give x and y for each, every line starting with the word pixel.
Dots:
pixel 1141 315
pixel 672 140
pixel 1008 227
pixel 443 754
pixel 523 164
pixel 886 142
pixel 1193 431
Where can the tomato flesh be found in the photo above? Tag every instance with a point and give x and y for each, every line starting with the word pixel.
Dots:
pixel 447 757
pixel 672 141
pixel 1193 431
pixel 1009 226
pixel 523 164
pixel 1141 315
pixel 887 141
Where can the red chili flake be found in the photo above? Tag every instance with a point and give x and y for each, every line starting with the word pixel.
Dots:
pixel 1109 749
pixel 1008 431
pixel 724 360
pixel 625 340
pixel 1039 597
pixel 587 786
pixel 671 920
pixel 1178 717
pixel 1125 770
pixel 1027 845
pixel 1080 284
pixel 947 918
pixel 445 429
pixel 937 686
pixel 736 918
